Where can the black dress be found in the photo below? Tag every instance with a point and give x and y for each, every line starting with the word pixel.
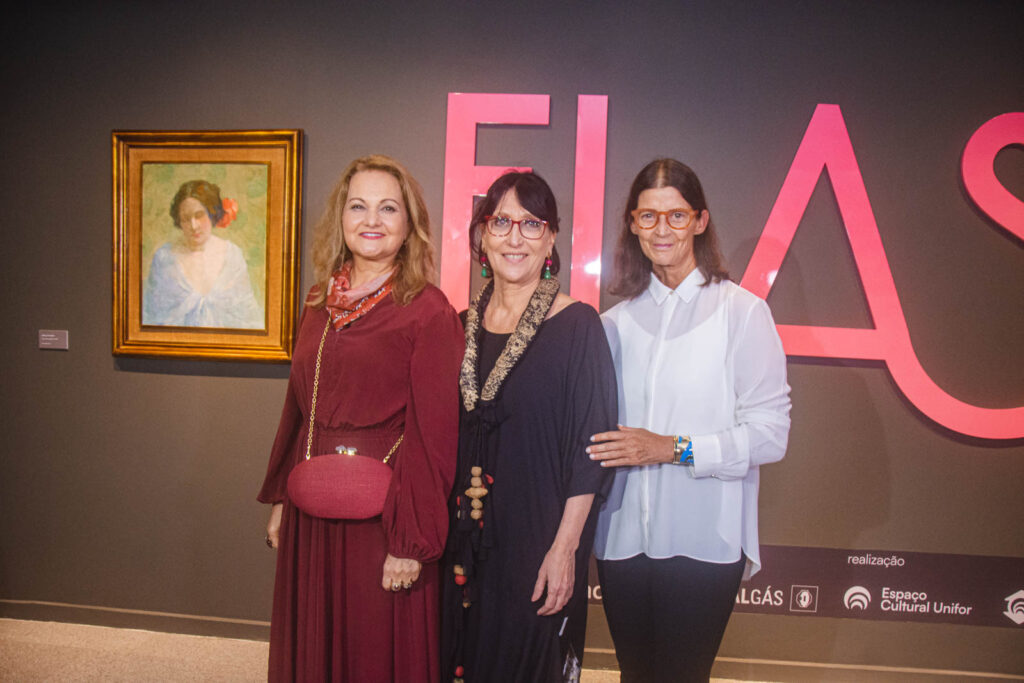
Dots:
pixel 530 440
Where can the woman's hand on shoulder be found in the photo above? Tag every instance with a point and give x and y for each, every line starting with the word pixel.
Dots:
pixel 399 573
pixel 629 447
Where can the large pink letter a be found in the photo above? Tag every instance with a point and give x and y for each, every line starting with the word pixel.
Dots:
pixel 826 145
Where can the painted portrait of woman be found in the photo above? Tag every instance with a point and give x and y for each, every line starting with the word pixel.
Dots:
pixel 198 278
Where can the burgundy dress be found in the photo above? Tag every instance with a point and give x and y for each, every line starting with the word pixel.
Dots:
pixel 393 371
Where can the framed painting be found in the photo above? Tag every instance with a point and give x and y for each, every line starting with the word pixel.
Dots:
pixel 206 243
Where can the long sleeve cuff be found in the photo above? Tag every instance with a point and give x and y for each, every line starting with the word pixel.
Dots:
pixel 711 456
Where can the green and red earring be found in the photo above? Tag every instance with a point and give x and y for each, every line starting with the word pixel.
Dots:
pixel 484 271
pixel 547 268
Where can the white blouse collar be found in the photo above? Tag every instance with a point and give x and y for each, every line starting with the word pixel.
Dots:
pixel 686 290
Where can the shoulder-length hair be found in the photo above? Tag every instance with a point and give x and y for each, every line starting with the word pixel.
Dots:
pixel 632 267
pixel 414 263
pixel 534 195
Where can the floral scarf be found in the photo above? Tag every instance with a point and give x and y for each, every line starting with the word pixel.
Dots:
pixel 346 304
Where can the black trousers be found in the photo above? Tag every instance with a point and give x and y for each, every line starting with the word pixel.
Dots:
pixel 667 617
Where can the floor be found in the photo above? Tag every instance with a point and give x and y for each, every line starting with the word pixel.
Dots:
pixel 52 651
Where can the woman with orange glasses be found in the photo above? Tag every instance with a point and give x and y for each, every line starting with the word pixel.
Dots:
pixel 703 403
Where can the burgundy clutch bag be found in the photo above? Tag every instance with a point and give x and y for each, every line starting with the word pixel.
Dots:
pixel 340 486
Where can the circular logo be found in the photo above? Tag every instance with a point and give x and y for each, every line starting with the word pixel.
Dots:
pixel 857 597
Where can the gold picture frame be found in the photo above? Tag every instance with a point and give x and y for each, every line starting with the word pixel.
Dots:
pixel 223 286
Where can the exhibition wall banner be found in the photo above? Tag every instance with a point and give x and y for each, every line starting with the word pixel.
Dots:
pixel 826 148
pixel 968 590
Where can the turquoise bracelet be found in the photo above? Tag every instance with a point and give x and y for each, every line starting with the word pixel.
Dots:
pixel 687 454
pixel 680 455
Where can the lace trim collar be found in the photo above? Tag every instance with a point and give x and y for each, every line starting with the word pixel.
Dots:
pixel 529 322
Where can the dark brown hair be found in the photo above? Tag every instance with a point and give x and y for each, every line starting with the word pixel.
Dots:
pixel 534 195
pixel 632 268
pixel 208 195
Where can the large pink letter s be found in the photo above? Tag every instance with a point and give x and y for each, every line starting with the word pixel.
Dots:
pixel 826 145
pixel 979 177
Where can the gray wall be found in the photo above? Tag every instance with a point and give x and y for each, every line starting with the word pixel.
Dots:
pixel 130 483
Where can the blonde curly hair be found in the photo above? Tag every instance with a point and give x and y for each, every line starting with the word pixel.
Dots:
pixel 414 263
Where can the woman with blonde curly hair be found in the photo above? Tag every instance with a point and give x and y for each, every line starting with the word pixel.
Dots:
pixel 380 348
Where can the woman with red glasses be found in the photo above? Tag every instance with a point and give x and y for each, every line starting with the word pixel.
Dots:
pixel 703 403
pixel 537 380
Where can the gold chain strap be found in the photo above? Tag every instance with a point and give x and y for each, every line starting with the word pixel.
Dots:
pixel 316 386
pixel 393 449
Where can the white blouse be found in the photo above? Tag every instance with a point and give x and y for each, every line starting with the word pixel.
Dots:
pixel 704 362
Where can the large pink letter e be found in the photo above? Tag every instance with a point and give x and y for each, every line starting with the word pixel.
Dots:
pixel 463 178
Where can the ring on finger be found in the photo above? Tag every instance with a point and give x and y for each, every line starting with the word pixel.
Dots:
pixel 395 586
pixel 407 585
